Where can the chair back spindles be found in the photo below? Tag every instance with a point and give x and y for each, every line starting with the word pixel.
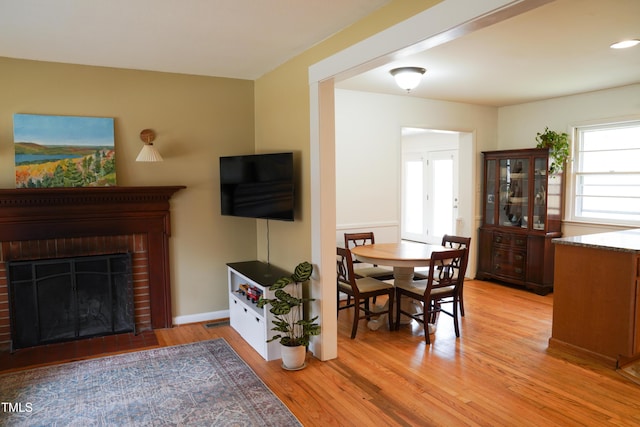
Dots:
pixel 458 242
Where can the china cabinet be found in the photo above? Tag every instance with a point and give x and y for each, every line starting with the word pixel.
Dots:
pixel 522 211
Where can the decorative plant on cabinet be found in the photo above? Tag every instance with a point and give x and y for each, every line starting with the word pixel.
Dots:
pixel 294 330
pixel 558 145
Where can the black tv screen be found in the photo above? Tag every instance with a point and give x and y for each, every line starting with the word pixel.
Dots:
pixel 257 186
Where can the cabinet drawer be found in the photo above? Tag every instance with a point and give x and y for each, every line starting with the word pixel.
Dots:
pixel 513 240
pixel 248 324
pixel 509 263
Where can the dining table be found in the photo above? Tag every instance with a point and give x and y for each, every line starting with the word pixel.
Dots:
pixel 404 257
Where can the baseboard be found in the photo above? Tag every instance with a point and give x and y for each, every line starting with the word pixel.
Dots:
pixel 582 353
pixel 201 317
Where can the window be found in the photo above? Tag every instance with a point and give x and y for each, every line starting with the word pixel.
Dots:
pixel 606 183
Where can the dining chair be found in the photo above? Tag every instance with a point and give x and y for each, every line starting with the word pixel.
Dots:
pixel 454 242
pixel 352 240
pixel 361 290
pixel 442 285
pixel 458 242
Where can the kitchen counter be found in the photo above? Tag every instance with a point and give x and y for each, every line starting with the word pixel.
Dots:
pixel 624 241
pixel 596 309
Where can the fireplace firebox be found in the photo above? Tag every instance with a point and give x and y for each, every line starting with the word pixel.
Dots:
pixel 65 299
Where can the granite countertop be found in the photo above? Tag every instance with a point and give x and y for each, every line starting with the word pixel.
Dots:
pixel 624 241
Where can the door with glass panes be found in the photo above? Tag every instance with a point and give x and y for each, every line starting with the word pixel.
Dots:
pixel 429 195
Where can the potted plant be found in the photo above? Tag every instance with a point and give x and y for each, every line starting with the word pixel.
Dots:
pixel 558 145
pixel 294 330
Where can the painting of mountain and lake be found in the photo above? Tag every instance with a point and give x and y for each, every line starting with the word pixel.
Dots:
pixel 63 151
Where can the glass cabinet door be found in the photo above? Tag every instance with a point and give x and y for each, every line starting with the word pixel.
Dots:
pixel 540 194
pixel 491 190
pixel 514 192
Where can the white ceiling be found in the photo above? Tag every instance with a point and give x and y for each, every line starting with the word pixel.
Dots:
pixel 225 38
pixel 557 49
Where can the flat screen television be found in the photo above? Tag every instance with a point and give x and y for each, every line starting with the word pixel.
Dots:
pixel 257 186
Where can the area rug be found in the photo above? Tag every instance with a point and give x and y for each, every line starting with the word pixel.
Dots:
pixel 203 384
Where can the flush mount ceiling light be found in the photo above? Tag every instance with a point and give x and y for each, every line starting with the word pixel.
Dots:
pixel 625 44
pixel 148 152
pixel 408 78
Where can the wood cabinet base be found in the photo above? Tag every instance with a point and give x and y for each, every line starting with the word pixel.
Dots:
pixel 522 259
pixel 595 303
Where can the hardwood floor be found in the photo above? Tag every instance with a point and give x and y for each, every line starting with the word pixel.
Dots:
pixel 498 373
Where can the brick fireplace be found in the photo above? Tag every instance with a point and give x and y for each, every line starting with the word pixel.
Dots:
pixel 71 222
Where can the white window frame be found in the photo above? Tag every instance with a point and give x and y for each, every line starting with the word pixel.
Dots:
pixel 574 166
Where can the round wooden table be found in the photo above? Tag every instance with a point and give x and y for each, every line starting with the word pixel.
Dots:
pixel 403 257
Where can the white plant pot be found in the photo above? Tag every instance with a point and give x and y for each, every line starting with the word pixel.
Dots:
pixel 293 358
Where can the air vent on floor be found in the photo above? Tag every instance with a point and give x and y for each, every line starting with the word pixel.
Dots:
pixel 216 324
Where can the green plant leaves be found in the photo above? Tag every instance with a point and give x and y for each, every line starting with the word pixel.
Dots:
pixel 558 145
pixel 302 272
pixel 281 283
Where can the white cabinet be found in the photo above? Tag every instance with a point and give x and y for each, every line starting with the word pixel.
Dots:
pixel 247 281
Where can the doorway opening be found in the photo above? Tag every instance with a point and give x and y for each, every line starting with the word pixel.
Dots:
pixel 432 185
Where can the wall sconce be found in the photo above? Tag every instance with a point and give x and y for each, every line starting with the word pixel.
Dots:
pixel 408 77
pixel 148 152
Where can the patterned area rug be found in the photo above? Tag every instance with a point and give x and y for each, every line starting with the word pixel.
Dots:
pixel 204 383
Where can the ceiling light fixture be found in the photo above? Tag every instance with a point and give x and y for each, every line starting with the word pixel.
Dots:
pixel 408 78
pixel 625 44
pixel 148 152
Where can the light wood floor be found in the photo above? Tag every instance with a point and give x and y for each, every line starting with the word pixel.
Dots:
pixel 498 373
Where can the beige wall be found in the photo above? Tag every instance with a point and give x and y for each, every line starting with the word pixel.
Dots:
pixel 282 121
pixel 197 120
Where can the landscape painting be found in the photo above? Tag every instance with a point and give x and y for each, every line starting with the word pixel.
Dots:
pixel 63 151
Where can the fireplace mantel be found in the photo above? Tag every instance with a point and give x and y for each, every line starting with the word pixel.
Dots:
pixel 36 214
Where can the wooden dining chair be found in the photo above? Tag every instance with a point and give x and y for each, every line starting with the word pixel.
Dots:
pixel 360 290
pixel 352 240
pixel 442 285
pixel 458 242
pixel 453 242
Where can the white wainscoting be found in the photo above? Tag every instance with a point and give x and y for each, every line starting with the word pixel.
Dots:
pixel 388 232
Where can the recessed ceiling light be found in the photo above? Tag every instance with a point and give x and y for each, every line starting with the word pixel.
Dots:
pixel 625 44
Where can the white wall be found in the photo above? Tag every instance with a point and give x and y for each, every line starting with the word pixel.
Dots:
pixel 416 143
pixel 368 150
pixel 368 153
pixel 518 125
